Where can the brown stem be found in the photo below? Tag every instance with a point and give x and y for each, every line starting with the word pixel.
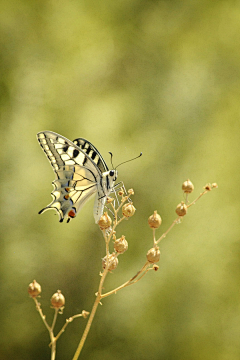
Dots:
pixel 164 235
pixel 92 314
pixel 132 281
pixel 87 328
pixel 194 201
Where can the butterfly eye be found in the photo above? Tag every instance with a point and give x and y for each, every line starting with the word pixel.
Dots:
pixel 111 172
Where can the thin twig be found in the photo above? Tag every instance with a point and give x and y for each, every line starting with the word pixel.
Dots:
pixel 132 281
pixel 92 314
pixel 54 318
pixel 166 232
pixel 43 317
pixel 194 201
pixel 65 325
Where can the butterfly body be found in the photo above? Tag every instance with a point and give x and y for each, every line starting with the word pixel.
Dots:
pixel 80 172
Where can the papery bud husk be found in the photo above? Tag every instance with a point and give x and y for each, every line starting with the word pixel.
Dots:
pixel 105 221
pixel 131 192
pixel 153 255
pixel 154 221
pixel 58 300
pixel 121 245
pixel 128 210
pixel 34 289
pixel 112 262
pixel 187 186
pixel 181 209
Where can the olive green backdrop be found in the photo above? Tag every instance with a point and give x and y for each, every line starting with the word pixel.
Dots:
pixel 161 77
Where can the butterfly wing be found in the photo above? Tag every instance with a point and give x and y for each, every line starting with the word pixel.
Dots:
pixel 78 167
pixel 105 185
pixel 92 152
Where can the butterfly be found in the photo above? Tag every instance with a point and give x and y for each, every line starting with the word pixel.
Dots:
pixel 80 173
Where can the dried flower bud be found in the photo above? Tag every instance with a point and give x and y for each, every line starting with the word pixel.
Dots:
pixel 128 210
pixel 34 289
pixel 214 185
pixel 121 245
pixel 105 221
pixel 208 187
pixel 153 255
pixel 181 209
pixel 154 221
pixel 58 300
pixel 187 186
pixel 120 193
pixel 131 192
pixel 112 262
pixel 109 200
pixel 155 267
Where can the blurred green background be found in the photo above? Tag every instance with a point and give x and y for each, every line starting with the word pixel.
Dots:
pixel 161 77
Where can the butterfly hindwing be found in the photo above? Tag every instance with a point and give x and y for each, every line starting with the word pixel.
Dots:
pixel 80 173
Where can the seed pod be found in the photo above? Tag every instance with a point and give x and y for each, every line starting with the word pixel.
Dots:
pixel 187 186
pixel 121 245
pixel 34 289
pixel 58 300
pixel 154 221
pixel 208 187
pixel 112 262
pixel 105 221
pixel 181 209
pixel 128 210
pixel 153 255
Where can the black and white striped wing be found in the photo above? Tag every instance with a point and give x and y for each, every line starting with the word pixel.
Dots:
pixel 91 151
pixel 78 167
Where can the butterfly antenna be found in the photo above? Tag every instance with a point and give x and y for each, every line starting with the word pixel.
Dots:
pixel 129 160
pixel 111 159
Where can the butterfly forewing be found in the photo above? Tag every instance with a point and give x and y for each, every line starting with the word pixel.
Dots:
pixel 80 172
pixel 92 152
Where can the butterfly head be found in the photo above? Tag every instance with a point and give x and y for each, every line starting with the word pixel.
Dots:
pixel 113 174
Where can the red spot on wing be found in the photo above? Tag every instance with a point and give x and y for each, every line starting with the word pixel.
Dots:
pixel 72 213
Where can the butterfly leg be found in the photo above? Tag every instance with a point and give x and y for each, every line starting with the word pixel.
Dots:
pixel 117 187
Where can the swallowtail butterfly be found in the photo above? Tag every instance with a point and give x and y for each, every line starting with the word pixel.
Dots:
pixel 80 173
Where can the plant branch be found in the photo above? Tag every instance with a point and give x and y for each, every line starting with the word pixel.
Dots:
pixel 132 281
pixel 176 221
pixel 194 201
pixel 92 314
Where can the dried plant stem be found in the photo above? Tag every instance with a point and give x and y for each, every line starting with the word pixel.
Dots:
pixel 50 329
pixel 132 281
pixel 92 314
pixel 54 319
pixel 99 295
pixel 146 267
pixel 110 261
pixel 53 347
pixel 41 314
pixel 65 325
pixel 87 328
pixel 176 221
pixel 194 201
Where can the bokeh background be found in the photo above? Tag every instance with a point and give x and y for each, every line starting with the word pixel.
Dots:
pixel 161 77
